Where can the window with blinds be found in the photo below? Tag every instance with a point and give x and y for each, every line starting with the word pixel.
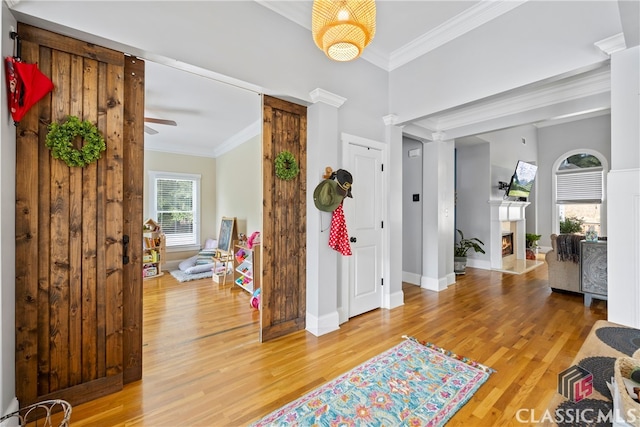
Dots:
pixel 175 205
pixel 579 186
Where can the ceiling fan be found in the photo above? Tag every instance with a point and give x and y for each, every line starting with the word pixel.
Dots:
pixel 152 131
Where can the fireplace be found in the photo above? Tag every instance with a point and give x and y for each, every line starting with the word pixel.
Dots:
pixel 507 244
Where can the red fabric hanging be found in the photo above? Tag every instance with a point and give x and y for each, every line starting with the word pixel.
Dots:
pixel 338 235
pixel 26 86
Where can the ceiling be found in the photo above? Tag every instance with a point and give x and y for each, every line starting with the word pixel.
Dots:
pixel 214 117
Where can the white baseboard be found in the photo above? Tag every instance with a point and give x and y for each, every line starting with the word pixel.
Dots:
pixel 322 325
pixel 13 407
pixel 412 278
pixel 394 300
pixel 433 284
pixel 479 263
pixel 171 265
pixel 343 315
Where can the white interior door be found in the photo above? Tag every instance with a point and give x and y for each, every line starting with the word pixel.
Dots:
pixel 364 222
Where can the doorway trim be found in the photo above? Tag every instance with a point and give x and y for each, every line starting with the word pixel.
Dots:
pixel 343 265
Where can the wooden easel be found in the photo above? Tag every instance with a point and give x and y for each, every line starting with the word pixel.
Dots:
pixel 226 237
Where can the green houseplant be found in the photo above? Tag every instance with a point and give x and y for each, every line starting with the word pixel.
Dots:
pixel 571 224
pixel 532 240
pixel 461 248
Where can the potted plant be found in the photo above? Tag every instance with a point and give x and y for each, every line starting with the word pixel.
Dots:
pixel 532 245
pixel 460 251
pixel 571 225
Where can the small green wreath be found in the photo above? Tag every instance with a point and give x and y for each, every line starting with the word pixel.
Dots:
pixel 286 166
pixel 61 135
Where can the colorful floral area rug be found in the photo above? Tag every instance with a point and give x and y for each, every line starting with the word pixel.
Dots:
pixel 412 384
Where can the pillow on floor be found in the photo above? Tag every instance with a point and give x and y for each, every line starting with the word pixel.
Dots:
pixel 199 268
pixel 189 262
pixel 205 256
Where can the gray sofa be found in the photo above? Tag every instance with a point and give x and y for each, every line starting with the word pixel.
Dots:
pixel 563 275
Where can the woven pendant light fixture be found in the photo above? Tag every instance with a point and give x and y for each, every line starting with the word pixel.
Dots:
pixel 343 28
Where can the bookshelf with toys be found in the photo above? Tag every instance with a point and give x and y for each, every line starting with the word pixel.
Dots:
pixel 246 272
pixel 153 249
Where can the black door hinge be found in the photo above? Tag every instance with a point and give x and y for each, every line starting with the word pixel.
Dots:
pixel 381 282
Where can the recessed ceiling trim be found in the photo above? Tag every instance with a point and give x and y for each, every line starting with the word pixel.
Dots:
pixel 573 88
pixel 543 97
pixel 459 25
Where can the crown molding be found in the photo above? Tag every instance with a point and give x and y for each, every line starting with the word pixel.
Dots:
pixel 573 117
pixel 295 11
pixel 390 119
pixel 12 3
pixel 612 44
pixel 459 25
pixel 239 138
pixel 321 95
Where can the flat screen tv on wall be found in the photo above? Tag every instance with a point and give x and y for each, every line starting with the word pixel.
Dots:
pixel 522 180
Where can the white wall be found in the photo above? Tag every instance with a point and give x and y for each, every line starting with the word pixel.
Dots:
pixel 554 142
pixel 623 248
pixel 411 212
pixel 7 232
pixel 181 163
pixel 473 191
pixel 239 186
pixel 507 147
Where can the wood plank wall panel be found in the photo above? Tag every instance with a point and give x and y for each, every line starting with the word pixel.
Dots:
pixel 89 230
pixel 44 237
pixel 59 242
pixel 27 240
pixel 132 222
pixel 284 222
pixel 69 226
pixel 113 212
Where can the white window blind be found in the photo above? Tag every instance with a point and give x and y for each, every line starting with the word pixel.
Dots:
pixel 579 186
pixel 175 205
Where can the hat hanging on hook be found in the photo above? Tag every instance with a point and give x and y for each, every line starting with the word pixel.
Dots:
pixel 26 84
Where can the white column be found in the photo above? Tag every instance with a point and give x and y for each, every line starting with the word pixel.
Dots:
pixel 623 191
pixel 322 262
pixel 393 296
pixel 438 213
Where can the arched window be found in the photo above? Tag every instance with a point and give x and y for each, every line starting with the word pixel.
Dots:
pixel 579 192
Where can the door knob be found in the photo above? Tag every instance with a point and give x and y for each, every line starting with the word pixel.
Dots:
pixel 353 240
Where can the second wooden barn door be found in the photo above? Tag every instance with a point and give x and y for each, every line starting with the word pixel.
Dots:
pixel 70 310
pixel 283 289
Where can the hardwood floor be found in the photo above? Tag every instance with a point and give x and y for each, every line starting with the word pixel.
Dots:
pixel 203 365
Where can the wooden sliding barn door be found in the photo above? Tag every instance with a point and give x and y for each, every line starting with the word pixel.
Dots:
pixel 283 289
pixel 71 303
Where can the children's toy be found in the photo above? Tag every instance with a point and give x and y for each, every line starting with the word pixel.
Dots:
pixel 255 299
